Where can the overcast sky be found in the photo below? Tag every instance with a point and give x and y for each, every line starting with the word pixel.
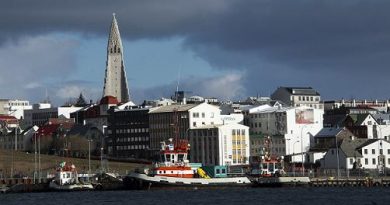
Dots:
pixel 227 49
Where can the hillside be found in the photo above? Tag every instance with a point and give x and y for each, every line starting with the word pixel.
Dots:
pixel 24 164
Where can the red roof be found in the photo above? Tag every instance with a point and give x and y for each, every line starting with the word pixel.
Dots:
pixel 108 100
pixel 7 117
pixel 47 129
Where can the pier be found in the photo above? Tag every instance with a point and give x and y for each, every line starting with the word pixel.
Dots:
pixel 350 182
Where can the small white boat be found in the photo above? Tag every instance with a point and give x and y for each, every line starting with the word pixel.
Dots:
pixel 66 179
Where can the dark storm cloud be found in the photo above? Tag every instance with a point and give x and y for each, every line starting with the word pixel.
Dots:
pixel 225 87
pixel 301 42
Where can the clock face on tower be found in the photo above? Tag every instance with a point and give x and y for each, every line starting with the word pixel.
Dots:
pixel 116 59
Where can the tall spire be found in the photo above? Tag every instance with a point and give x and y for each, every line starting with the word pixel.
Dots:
pixel 115 38
pixel 115 82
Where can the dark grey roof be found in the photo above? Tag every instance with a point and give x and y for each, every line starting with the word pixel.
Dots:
pixel 81 130
pixel 381 117
pixel 350 147
pixel 329 132
pixel 369 141
pixel 173 108
pixel 301 90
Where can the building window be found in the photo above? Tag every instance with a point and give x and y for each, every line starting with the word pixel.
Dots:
pixel 373 151
pixel 366 161
pixel 203 115
pixel 351 161
pixel 380 151
pixel 194 124
pixel 195 115
pixel 388 151
pixel 373 161
pixel 365 151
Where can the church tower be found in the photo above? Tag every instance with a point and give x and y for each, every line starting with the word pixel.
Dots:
pixel 115 81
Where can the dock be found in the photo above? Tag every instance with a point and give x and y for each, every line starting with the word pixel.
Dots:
pixel 18 185
pixel 352 182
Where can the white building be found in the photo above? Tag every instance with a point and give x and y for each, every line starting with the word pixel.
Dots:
pixel 41 113
pixel 296 125
pixel 371 154
pixel 220 144
pixel 298 96
pixel 185 117
pixel 14 107
pixel 379 105
pixel 159 102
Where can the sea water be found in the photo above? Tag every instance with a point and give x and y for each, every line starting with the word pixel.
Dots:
pixel 260 196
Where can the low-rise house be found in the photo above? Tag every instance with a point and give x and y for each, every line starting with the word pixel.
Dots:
pixel 358 154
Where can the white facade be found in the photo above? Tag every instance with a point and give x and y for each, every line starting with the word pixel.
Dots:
pixel 298 125
pixel 383 132
pixel 380 105
pixel 220 145
pixel 376 155
pixel 39 116
pixel 14 107
pixel 372 154
pixel 298 96
pixel 204 114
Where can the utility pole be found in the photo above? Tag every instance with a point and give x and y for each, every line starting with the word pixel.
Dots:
pixel 89 159
pixel 12 153
pixel 338 159
pixel 101 159
pixel 35 128
pixel 35 156
pixel 39 158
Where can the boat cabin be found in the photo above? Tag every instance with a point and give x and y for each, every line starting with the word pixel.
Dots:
pixel 66 174
pixel 271 167
pixel 174 161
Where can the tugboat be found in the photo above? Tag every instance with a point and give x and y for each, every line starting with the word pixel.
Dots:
pixel 66 179
pixel 174 170
pixel 271 171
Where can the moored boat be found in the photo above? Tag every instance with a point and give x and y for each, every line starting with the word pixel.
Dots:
pixel 66 179
pixel 174 170
pixel 270 171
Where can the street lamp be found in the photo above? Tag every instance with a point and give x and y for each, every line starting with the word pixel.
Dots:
pixel 288 146
pixel 35 128
pixel 338 160
pixel 303 166
pixel 101 159
pixel 294 155
pixel 89 158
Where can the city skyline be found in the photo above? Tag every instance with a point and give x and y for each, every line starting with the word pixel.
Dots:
pixel 226 49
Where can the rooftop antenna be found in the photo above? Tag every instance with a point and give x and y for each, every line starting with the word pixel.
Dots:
pixel 47 100
pixel 178 81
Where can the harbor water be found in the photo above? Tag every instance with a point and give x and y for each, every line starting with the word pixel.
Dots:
pixel 291 195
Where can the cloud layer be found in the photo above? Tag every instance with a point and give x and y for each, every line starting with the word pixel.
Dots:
pixel 342 48
pixel 223 87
